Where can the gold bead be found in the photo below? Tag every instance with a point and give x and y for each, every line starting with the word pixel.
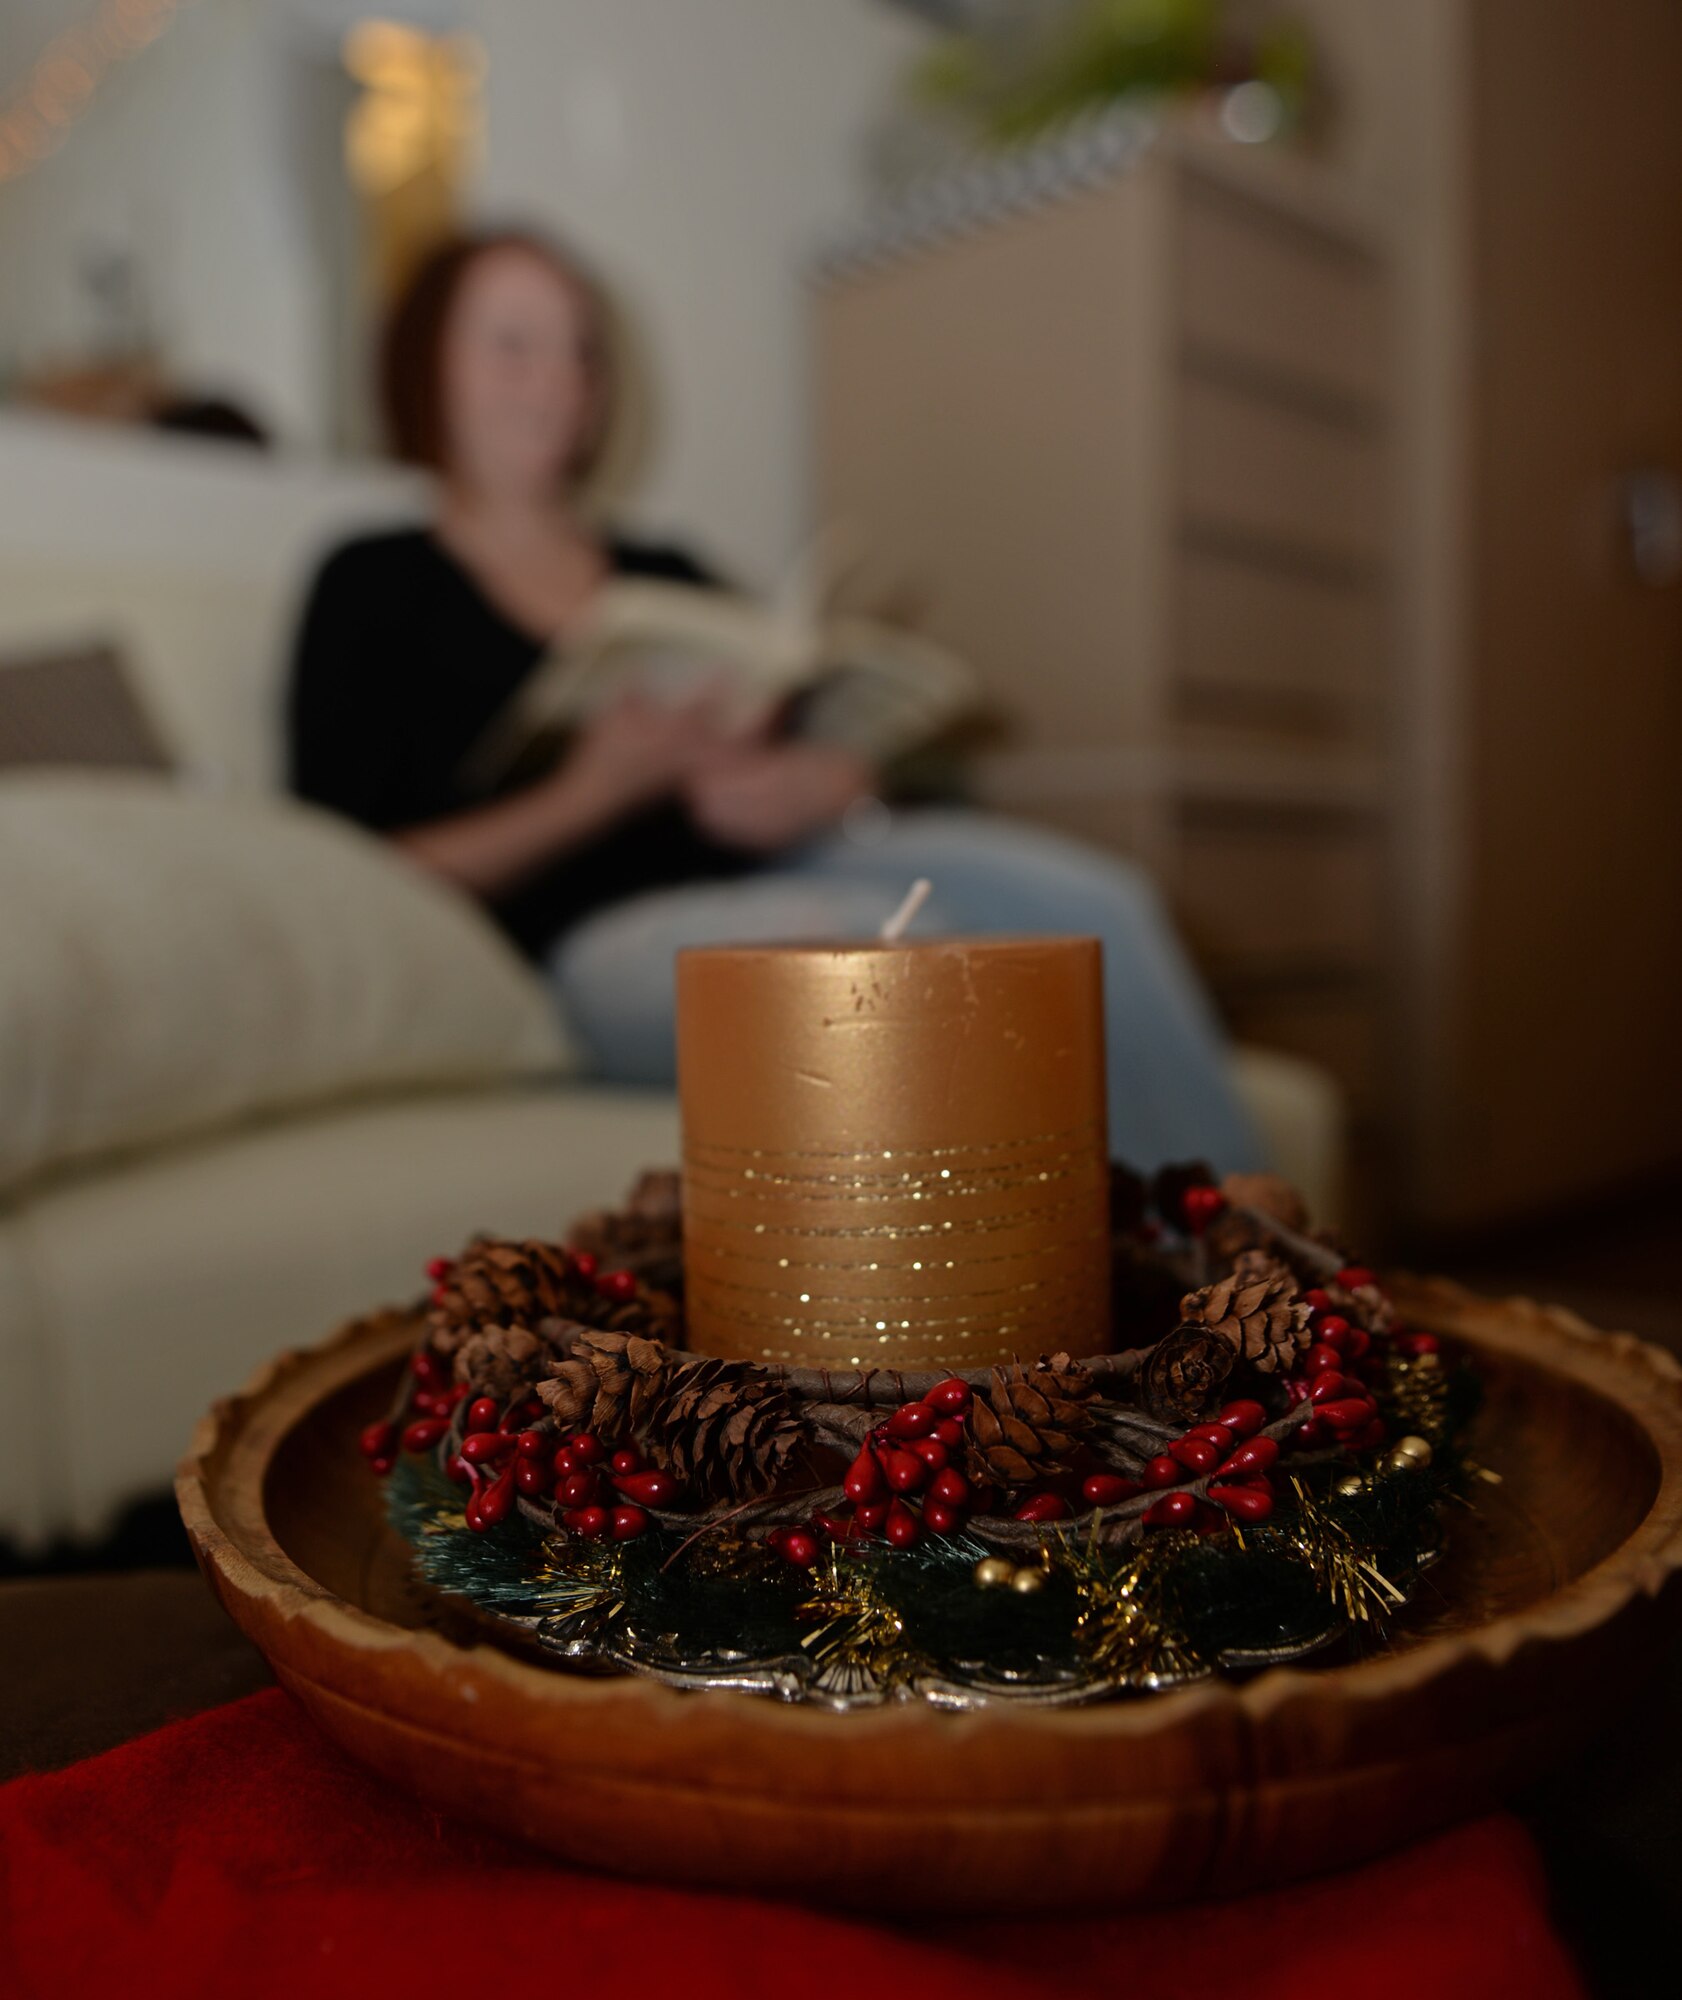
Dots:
pixel 994 1573
pixel 1351 1484
pixel 1416 1450
pixel 1027 1581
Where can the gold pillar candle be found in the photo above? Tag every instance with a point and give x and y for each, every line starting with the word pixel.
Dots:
pixel 894 1154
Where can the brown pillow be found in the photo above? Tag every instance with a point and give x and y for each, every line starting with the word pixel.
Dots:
pixel 75 707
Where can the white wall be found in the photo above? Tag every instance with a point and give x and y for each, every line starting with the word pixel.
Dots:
pixel 695 149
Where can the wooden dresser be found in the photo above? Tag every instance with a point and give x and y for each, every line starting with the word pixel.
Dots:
pixel 1116 417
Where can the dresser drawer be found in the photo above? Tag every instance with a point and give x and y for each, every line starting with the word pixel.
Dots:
pixel 1292 302
pixel 1264 472
pixel 1278 892
pixel 1262 648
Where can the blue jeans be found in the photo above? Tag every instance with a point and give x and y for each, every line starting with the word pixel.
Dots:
pixel 1170 1095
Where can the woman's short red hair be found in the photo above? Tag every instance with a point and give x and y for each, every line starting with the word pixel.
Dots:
pixel 411 376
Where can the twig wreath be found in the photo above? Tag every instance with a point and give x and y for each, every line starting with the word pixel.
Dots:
pixel 1256 1471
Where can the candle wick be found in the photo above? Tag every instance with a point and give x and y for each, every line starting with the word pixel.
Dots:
pixel 915 897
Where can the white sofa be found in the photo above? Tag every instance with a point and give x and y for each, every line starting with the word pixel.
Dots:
pixel 137 1285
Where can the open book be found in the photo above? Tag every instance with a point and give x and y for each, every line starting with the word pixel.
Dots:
pixel 849 680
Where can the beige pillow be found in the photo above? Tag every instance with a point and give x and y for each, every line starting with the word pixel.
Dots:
pixel 172 960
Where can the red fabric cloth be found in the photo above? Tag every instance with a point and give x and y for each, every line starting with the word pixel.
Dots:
pixel 237 1853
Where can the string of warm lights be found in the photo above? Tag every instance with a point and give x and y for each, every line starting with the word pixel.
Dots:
pixel 61 84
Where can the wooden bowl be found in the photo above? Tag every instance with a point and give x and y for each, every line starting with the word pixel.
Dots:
pixel 1534 1627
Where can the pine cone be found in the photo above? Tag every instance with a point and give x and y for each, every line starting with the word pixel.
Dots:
pixel 1182 1374
pixel 725 1430
pixel 497 1360
pixel 645 1236
pixel 608 1384
pixel 498 1282
pixel 1026 1422
pixel 1231 1234
pixel 1255 1309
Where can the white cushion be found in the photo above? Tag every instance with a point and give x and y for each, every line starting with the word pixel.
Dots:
pixel 173 960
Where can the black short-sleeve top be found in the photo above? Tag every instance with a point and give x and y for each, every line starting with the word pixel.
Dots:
pixel 401 662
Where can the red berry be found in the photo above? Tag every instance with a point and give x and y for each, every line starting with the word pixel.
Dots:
pixel 626 1523
pixel 530 1444
pixel 378 1440
pixel 1321 1357
pixel 1247 1503
pixel 950 1488
pixel 1244 1417
pixel 1200 1206
pixel 1219 1435
pixel 486 1447
pixel 586 1448
pixel 798 1546
pixel 1412 1345
pixel 1333 1330
pixel 580 1489
pixel 456 1468
pixel 1353 1276
pixel 1173 1510
pixel 932 1452
pixel 870 1514
pixel 1317 1300
pixel 425 1367
pixel 1310 1434
pixel 473 1517
pixel 1370 1435
pixel 900 1527
pixel 589 1522
pixel 951 1398
pixel 617 1285
pixel 940 1517
pixel 497 1499
pixel 915 1420
pixel 1108 1489
pixel 439 1268
pixel 1356 1342
pixel 625 1462
pixel 1348 1415
pixel 424 1435
pixel 648 1489
pixel 1164 1472
pixel 532 1477
pixel 1043 1507
pixel 564 1462
pixel 1256 1456
pixel 837 1529
pixel 383 1464
pixel 482 1413
pixel 864 1478
pixel 1329 1385
pixel 950 1432
pixel 904 1471
pixel 1196 1454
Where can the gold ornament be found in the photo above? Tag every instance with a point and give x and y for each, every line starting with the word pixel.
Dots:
pixel 1027 1581
pixel 1408 1454
pixel 1351 1484
pixel 994 1573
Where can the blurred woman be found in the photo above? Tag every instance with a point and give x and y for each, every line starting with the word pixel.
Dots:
pixel 662 825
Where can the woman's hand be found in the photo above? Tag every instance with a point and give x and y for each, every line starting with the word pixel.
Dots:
pixel 639 750
pixel 767 796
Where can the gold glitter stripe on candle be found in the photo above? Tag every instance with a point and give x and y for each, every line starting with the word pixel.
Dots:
pixel 1015 1145
pixel 877 1301
pixel 832 1188
pixel 1055 1246
pixel 951 1226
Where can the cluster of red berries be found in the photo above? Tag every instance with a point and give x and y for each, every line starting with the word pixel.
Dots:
pixel 433 1403
pixel 1228 1454
pixel 903 1480
pixel 1336 1373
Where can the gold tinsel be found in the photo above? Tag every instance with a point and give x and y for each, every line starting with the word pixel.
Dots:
pixel 858 1636
pixel 1416 1392
pixel 1123 1626
pixel 1357 1587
